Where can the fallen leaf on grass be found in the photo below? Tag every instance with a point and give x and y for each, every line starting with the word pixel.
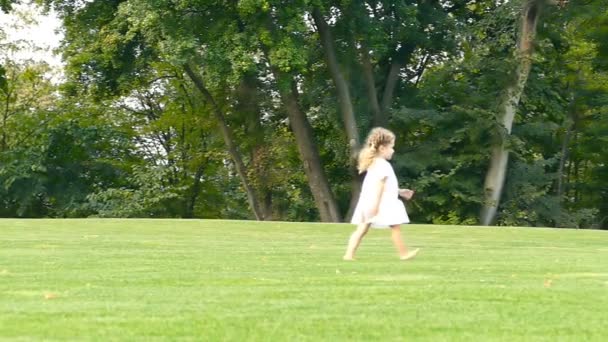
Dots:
pixel 49 295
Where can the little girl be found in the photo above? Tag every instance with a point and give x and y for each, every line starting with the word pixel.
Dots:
pixel 379 203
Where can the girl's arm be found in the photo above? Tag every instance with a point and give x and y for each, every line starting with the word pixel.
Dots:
pixel 406 193
pixel 375 203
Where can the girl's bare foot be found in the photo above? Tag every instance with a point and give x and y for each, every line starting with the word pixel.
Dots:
pixel 348 258
pixel 410 255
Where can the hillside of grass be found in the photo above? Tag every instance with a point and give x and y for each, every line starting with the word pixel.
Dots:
pixel 238 280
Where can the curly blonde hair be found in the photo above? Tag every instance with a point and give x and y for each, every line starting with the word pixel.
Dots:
pixel 377 137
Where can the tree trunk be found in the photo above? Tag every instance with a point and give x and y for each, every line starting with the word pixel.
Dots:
pixel 5 115
pixel 399 60
pixel 379 119
pixel 564 158
pixel 324 198
pixel 495 176
pixel 248 106
pixel 302 131
pixel 3 146
pixel 421 69
pixel 570 176
pixel 309 154
pixel 577 163
pixel 346 105
pixel 195 189
pixel 228 139
pixel 571 123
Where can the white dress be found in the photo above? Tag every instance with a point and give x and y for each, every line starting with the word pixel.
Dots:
pixel 391 210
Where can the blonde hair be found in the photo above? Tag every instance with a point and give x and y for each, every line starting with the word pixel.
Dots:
pixel 377 137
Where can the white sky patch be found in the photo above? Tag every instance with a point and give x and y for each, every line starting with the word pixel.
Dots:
pixel 36 34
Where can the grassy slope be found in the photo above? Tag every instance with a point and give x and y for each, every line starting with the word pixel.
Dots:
pixel 235 280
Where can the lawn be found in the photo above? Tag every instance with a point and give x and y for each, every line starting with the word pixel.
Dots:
pixel 248 281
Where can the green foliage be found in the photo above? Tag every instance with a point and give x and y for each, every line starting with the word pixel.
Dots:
pixel 529 200
pixel 440 155
pixel 53 176
pixel 6 5
pixel 147 195
pixel 131 136
pixel 3 81
pixel 445 140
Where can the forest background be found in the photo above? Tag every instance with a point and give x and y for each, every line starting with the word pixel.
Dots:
pixel 255 109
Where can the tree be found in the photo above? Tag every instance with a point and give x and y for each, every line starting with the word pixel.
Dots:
pixel 495 175
pixel 123 49
pixel 280 50
pixel 48 170
pixel 6 5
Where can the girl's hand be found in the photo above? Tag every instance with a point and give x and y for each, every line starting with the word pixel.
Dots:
pixel 406 193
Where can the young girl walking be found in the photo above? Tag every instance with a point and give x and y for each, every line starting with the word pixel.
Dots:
pixel 379 203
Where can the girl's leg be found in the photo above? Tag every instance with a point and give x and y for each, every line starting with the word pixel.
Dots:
pixel 401 248
pixel 355 240
pixel 396 236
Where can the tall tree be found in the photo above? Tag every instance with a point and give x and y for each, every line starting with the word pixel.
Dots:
pixel 254 201
pixel 495 176
pixel 282 51
pixel 127 43
pixel 345 103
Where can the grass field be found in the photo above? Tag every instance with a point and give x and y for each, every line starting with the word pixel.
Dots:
pixel 248 281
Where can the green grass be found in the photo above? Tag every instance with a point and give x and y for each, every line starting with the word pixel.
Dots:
pixel 233 281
